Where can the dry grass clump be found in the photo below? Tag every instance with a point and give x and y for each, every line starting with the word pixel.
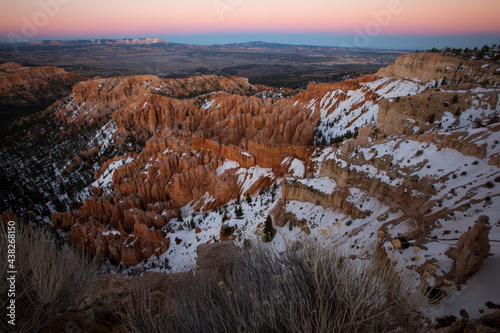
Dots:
pixel 146 312
pixel 48 278
pixel 308 288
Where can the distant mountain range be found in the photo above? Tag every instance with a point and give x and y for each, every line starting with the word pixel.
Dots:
pixel 156 40
pixel 134 41
pixel 263 63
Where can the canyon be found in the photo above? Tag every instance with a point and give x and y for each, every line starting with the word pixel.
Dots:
pixel 403 163
pixel 26 90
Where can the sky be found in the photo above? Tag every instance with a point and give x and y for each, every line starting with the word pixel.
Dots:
pixel 397 24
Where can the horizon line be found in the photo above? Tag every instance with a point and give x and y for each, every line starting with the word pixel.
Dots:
pixel 401 42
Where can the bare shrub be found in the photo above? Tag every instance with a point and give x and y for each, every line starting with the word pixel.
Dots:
pixel 48 279
pixel 144 312
pixel 308 288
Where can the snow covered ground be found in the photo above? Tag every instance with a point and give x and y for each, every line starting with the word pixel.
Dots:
pixel 195 228
pixel 345 111
pixel 105 181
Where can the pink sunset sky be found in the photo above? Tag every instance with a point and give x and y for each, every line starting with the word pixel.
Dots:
pixel 81 19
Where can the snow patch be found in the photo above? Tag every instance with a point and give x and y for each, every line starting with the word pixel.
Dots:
pixel 248 177
pixel 227 165
pixel 324 184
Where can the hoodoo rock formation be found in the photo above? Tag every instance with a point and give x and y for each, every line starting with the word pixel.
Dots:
pixel 187 129
pixel 180 145
pixel 472 247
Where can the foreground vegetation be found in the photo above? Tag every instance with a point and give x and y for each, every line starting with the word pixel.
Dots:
pixel 306 288
pixel 47 281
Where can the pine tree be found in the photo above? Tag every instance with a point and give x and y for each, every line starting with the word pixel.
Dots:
pixel 268 228
pixel 249 200
pixel 239 212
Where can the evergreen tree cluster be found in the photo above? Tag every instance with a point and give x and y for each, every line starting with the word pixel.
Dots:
pixel 321 139
pixel 486 52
